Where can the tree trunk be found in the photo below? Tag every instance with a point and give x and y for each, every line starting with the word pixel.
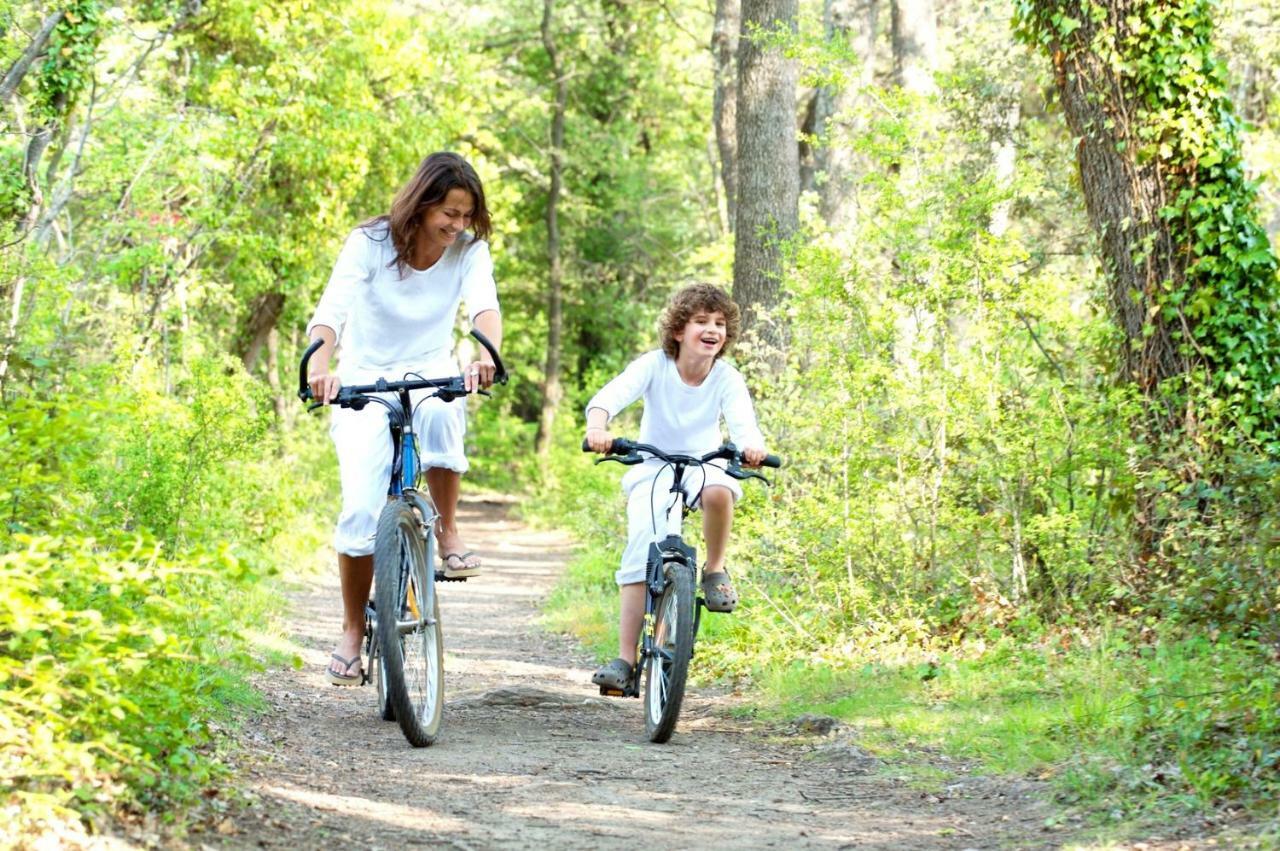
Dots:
pixel 551 389
pixel 768 163
pixel 273 375
pixel 724 50
pixel 1191 277
pixel 264 313
pixel 856 22
pixel 915 44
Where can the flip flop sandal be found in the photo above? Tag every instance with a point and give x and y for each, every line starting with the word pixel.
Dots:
pixel 614 675
pixel 718 592
pixel 346 678
pixel 462 570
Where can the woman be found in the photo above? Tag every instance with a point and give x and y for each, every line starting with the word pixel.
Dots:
pixel 391 302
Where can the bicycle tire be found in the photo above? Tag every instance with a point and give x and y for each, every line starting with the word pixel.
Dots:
pixel 667 669
pixel 411 640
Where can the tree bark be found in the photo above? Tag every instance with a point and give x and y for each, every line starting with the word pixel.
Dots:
pixel 724 50
pixel 768 163
pixel 856 22
pixel 551 389
pixel 915 44
pixel 261 321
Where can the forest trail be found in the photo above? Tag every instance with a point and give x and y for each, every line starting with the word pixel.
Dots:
pixel 531 756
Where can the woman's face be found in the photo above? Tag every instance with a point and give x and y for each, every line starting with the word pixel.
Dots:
pixel 449 218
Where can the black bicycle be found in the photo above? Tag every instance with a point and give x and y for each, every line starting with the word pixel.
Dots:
pixel 404 642
pixel 672 609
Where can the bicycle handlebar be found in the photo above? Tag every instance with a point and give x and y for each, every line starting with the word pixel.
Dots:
pixel 449 388
pixel 627 452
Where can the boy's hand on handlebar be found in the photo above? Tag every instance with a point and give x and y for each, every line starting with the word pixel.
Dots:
pixel 599 439
pixel 324 387
pixel 479 374
pixel 753 456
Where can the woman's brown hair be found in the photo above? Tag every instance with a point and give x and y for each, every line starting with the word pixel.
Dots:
pixel 429 186
pixel 690 300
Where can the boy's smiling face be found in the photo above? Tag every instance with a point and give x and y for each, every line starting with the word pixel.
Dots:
pixel 704 334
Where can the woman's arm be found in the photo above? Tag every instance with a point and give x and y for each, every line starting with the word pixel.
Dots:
pixel 324 387
pixel 479 373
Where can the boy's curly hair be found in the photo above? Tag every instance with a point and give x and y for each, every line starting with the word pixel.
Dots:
pixel 688 301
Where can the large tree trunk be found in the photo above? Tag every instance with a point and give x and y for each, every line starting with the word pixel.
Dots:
pixel 724 51
pixel 551 389
pixel 915 44
pixel 1191 277
pixel 768 162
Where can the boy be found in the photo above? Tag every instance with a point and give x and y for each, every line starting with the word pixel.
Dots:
pixel 686 390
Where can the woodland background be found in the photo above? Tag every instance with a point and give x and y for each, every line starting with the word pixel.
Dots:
pixel 1011 304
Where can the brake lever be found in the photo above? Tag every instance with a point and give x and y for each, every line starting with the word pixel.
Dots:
pixel 738 472
pixel 633 458
pixel 313 406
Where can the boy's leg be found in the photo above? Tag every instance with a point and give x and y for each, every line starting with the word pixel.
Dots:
pixel 630 618
pixel 717 523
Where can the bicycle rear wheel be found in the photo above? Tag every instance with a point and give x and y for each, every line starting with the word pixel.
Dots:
pixel 409 633
pixel 666 669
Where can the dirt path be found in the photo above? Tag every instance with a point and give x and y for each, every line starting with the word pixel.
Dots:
pixel 531 756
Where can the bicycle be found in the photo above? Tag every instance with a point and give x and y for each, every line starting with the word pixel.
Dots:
pixel 405 646
pixel 672 609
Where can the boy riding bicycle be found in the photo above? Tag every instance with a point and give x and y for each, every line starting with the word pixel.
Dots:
pixel 687 389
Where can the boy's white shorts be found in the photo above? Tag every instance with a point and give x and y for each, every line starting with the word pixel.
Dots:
pixel 648 490
pixel 364 451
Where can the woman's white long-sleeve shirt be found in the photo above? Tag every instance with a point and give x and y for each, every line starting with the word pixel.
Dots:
pixel 678 418
pixel 384 322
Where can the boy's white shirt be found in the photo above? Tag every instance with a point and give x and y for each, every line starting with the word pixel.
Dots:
pixel 383 321
pixel 677 418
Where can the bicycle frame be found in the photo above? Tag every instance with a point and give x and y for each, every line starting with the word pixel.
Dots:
pixel 672 548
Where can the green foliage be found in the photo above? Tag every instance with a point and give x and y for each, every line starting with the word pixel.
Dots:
pixel 68 68
pixel 137 527
pixel 1118 719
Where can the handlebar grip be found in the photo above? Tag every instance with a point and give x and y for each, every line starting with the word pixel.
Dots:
pixel 304 390
pixel 771 461
pixel 620 446
pixel 500 370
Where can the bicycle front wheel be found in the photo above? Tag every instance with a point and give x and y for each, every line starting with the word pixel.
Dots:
pixel 668 666
pixel 409 633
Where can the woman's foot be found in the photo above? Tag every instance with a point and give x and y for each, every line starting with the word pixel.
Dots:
pixel 457 560
pixel 345 667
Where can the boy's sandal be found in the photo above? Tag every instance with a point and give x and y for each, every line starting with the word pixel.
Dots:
pixel 345 677
pixel 718 592
pixel 614 675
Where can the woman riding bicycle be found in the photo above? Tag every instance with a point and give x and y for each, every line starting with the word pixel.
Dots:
pixel 391 302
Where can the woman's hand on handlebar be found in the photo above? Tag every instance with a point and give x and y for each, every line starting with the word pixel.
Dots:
pixel 753 456
pixel 599 439
pixel 324 387
pixel 478 375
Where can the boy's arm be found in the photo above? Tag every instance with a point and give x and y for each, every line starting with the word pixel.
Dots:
pixel 598 436
pixel 740 416
pixel 624 389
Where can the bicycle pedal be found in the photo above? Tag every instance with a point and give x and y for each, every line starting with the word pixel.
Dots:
pixel 612 692
pixel 440 577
